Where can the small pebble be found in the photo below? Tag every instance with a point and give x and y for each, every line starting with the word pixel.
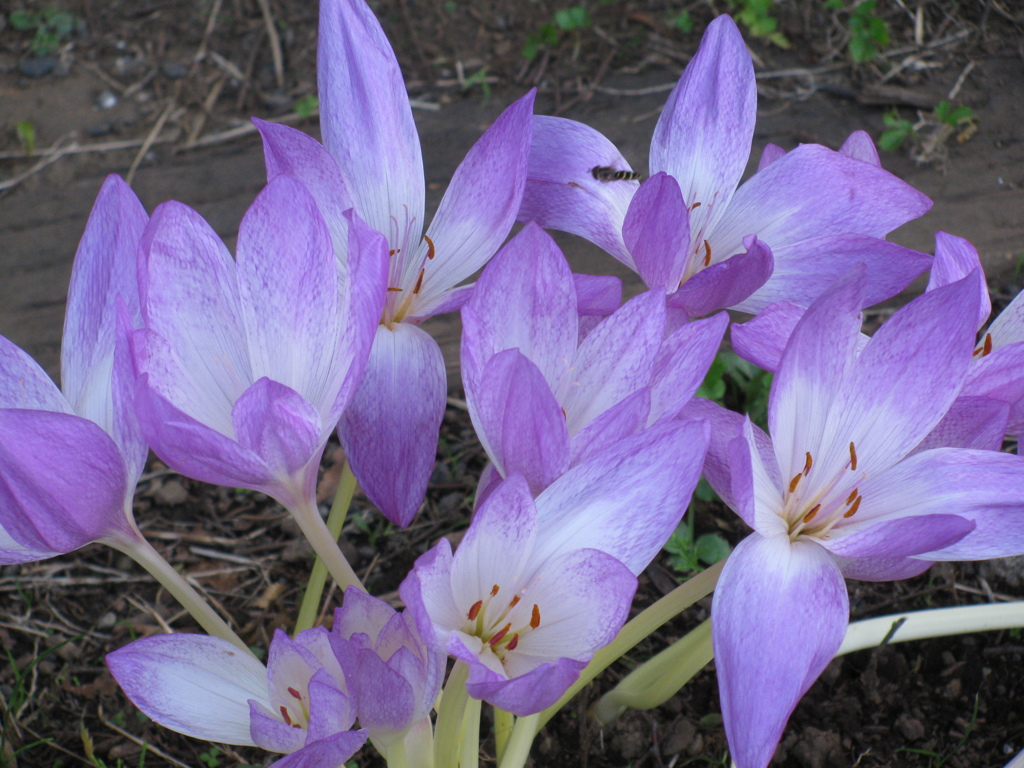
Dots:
pixel 172 70
pixel 107 620
pixel 171 493
pixel 106 100
pixel 37 67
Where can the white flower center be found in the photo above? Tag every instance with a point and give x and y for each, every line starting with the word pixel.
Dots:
pixel 815 514
pixel 501 626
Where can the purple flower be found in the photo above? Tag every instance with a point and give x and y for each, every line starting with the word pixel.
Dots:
pixel 206 688
pixel 541 400
pixel 69 461
pixel 835 492
pixel 244 366
pixel 372 162
pixel 813 211
pixel 537 586
pixel 393 677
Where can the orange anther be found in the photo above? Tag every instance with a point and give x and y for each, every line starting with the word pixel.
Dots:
pixel 430 247
pixel 851 497
pixel 807 462
pixel 394 290
pixel 474 610
pixel 853 456
pixel 853 510
pixel 810 515
pixel 535 617
pixel 795 481
pixel 514 601
pixel 494 590
pixel 285 716
pixel 295 694
pixel 707 253
pixel 512 643
pixel 500 636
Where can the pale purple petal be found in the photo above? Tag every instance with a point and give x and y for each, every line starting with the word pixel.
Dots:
pixel 427 591
pixel 657 232
pixel 383 698
pixel 615 360
pixel 779 615
pixel 860 146
pixel 985 487
pixel 763 339
pixel 970 422
pixel 278 425
pixel 480 205
pixel 818 355
pixel 189 297
pixel 626 500
pixel 561 190
pixel 15 553
pixel 270 732
pixel 192 684
pixel 1008 327
pixel 907 376
pixel 325 753
pixel 726 283
pixel 23 384
pixel 519 421
pixel 597 295
pixel 815 192
pixel 898 537
pixel 290 151
pixel 389 430
pixel 287 283
pixel 526 300
pixel 806 268
pixel 683 363
pixel 527 694
pixel 62 482
pixel 873 569
pixel 367 122
pixel 330 708
pixel 104 269
pixel 769 155
pixel 703 135
pixel 623 419
pixel 449 301
pixel 955 258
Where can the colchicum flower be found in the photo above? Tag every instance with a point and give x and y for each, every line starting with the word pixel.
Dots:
pixel 538 585
pixel 372 162
pixel 540 399
pixel 205 688
pixel 837 490
pixel 814 212
pixel 69 461
pixel 244 366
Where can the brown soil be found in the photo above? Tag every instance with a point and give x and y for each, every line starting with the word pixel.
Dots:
pixel 953 702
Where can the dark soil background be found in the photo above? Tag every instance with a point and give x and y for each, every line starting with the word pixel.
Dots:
pixel 159 90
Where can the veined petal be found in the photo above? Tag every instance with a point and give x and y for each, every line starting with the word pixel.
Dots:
pixel 367 122
pixel 726 283
pixel 427 590
pixel 898 537
pixel 860 146
pixel 769 155
pixel 756 489
pixel 623 419
pixel 288 291
pixel 189 293
pixel 561 190
pixel 280 426
pixel 763 339
pixel 519 420
pixel 56 505
pixel 779 614
pixel 817 357
pixel 984 487
pixel 480 205
pixel 906 378
pixel 970 422
pixel 192 684
pixel 657 232
pixel 877 569
pixel 389 430
pixel 806 268
pixel 815 192
pixel 449 301
pixel 325 753
pixel 13 552
pixel 384 699
pixel 597 295
pixel 703 135
pixel 23 384
pixel 1000 375
pixel 955 258
pixel 683 363
pixel 627 499
pixel 526 300
pixel 615 360
pixel 1008 327
pixel 290 151
pixel 104 269
pixel 527 694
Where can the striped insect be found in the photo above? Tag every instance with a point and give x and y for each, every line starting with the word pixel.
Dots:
pixel 606 173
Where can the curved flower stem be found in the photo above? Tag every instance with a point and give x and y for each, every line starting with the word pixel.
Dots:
pixel 518 748
pixel 450 717
pixel 142 552
pixel 659 678
pixel 936 622
pixel 503 724
pixel 324 544
pixel 335 522
pixel 646 622
pixel 470 750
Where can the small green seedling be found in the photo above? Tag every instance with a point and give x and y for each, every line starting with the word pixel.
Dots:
pixel 572 19
pixel 955 117
pixel 756 16
pixel 306 106
pixel 869 34
pixel 26 132
pixel 51 27
pixel 897 130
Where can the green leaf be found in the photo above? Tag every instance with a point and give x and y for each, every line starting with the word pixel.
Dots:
pixel 683 22
pixel 574 18
pixel 891 140
pixel 711 548
pixel 26 132
pixel 23 21
pixel 305 106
